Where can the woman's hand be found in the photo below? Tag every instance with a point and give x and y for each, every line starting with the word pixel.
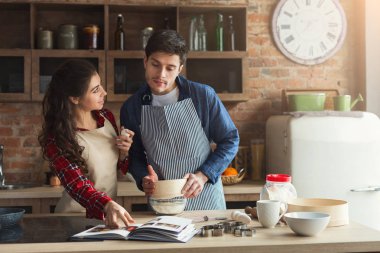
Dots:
pixel 194 185
pixel 148 181
pixel 114 213
pixel 124 142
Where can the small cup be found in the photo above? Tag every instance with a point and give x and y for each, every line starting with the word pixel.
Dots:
pixel 342 103
pixel 270 212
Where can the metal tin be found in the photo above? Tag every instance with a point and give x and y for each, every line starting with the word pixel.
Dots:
pixel 68 37
pixel 44 39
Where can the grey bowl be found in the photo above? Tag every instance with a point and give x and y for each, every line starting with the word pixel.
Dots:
pixel 9 217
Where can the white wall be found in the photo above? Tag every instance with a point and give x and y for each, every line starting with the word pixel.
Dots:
pixel 372 41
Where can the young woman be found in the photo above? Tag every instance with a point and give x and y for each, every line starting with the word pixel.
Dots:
pixel 81 141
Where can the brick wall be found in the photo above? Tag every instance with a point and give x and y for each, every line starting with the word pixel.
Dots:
pixel 269 73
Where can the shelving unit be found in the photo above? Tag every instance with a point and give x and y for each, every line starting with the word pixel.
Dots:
pixel 25 70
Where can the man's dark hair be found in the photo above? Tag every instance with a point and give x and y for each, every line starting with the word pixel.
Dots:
pixel 168 41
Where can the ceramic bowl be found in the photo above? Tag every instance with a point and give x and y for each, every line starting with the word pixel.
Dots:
pixel 10 217
pixel 168 206
pixel 168 189
pixel 337 209
pixel 307 102
pixel 307 223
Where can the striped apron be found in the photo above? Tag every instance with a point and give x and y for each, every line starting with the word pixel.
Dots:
pixel 176 144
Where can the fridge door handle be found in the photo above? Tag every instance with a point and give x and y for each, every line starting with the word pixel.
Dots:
pixel 367 189
pixel 285 137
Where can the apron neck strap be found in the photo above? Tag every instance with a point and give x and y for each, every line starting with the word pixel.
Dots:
pixel 183 86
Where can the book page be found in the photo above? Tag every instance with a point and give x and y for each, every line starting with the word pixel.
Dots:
pixel 103 232
pixel 168 223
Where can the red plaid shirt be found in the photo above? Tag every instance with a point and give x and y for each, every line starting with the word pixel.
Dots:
pixel 75 182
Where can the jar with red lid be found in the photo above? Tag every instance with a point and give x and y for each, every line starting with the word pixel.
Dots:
pixel 91 33
pixel 278 187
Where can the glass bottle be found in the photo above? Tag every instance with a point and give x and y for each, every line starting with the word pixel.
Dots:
pixel 219 32
pixel 119 33
pixel 202 34
pixel 193 35
pixel 145 35
pixel 166 23
pixel 230 36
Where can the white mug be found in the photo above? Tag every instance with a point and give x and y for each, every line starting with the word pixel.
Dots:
pixel 270 212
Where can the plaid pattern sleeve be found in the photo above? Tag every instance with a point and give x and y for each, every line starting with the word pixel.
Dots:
pixel 76 184
pixel 122 165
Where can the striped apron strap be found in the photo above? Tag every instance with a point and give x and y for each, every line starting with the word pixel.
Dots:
pixel 176 144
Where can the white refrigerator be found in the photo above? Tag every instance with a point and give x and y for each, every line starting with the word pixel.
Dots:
pixel 330 157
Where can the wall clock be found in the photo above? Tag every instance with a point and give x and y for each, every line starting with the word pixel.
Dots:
pixel 309 31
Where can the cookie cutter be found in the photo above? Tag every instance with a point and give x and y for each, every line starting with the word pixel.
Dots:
pixel 248 232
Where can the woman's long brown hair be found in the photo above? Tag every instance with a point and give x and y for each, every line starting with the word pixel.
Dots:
pixel 71 79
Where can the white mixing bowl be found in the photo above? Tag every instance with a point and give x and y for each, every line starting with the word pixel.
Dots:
pixel 307 223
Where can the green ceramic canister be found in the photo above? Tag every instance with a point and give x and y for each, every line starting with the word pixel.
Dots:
pixel 68 37
pixel 44 39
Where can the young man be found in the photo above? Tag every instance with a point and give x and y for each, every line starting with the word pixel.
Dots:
pixel 174 120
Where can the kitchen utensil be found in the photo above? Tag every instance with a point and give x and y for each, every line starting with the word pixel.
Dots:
pixel 307 102
pixel 168 189
pixel 168 206
pixel 9 217
pixel 307 223
pixel 240 216
pixel 343 102
pixel 337 209
pixel 207 218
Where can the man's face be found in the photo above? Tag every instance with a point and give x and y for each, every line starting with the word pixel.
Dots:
pixel 161 70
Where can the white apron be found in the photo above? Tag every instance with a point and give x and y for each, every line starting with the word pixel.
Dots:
pixel 101 156
pixel 176 144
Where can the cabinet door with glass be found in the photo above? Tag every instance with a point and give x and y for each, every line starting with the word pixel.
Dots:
pixel 15 57
pixel 126 74
pixel 46 62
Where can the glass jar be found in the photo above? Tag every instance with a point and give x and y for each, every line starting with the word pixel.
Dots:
pixel 91 33
pixel 145 35
pixel 278 187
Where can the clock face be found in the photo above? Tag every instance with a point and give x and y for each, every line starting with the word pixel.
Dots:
pixel 309 31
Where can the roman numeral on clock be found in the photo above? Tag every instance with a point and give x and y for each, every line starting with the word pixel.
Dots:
pixel 311 51
pixel 285 27
pixel 308 2
pixel 322 46
pixel 320 3
pixel 331 36
pixel 288 14
pixel 289 39
pixel 295 2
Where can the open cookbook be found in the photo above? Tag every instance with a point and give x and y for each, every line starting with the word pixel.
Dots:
pixel 161 228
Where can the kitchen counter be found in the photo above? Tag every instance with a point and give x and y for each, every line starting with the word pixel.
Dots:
pixel 41 199
pixel 350 238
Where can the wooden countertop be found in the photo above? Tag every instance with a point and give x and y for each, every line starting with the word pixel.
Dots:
pixel 350 238
pixel 123 189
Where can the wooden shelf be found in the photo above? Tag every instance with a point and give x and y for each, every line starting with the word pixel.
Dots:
pixel 122 72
